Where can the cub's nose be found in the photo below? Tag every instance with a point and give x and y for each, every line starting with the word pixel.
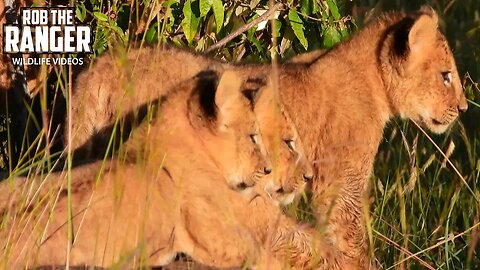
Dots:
pixel 462 104
pixel 242 186
pixel 272 187
pixel 307 177
pixel 463 107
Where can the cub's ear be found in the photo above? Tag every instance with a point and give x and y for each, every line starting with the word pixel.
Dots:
pixel 228 96
pixel 428 10
pixel 265 93
pixel 424 31
pixel 253 87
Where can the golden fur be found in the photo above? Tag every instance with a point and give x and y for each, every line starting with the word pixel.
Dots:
pixel 398 65
pixel 130 216
pixel 407 70
pixel 308 57
pixel 393 67
pixel 133 79
pixel 291 168
pixel 146 74
pixel 167 202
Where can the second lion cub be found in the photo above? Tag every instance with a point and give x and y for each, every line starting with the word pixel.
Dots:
pixel 172 200
pixel 143 75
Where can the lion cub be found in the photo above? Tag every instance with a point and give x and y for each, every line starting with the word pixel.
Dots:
pixel 200 130
pixel 291 168
pixel 172 199
pixel 148 73
pixel 134 78
pixel 399 65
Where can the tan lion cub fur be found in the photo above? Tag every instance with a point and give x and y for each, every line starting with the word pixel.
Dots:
pixel 119 84
pixel 146 74
pixel 291 168
pixel 213 120
pixel 173 199
pixel 406 70
pixel 398 65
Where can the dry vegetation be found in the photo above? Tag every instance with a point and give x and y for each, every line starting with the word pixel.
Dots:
pixel 425 189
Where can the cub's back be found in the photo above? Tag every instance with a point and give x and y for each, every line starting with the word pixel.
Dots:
pixel 118 84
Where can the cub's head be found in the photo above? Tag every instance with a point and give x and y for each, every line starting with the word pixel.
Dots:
pixel 423 72
pixel 291 168
pixel 236 144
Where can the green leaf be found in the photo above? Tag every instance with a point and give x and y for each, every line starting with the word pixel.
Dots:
pixel 81 12
pixel 331 37
pixel 278 27
pixel 315 7
pixel 332 5
pixel 229 14
pixel 169 18
pixel 255 42
pixel 100 44
pixel 151 34
pixel 118 30
pixel 305 7
pixel 205 6
pixel 100 16
pixel 169 3
pixel 344 31
pixel 219 14
pixel 297 26
pixel 251 31
pixel 190 21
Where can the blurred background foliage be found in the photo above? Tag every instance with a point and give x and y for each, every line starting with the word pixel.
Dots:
pixel 198 24
pixel 423 215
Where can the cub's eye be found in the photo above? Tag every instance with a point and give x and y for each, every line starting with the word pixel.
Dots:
pixel 254 138
pixel 447 77
pixel 291 144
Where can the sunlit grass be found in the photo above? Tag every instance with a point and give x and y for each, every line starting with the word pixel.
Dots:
pixel 431 223
pixel 424 208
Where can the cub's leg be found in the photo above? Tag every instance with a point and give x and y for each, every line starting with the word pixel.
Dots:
pixel 211 233
pixel 298 246
pixel 341 211
pixel 123 217
pixel 235 230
